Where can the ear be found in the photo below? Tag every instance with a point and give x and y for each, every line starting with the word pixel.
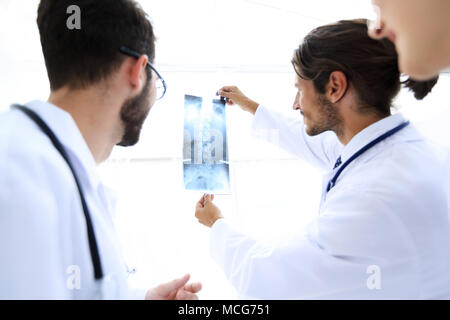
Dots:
pixel 136 72
pixel 337 86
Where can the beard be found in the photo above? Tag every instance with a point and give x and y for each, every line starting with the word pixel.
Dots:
pixel 133 113
pixel 329 119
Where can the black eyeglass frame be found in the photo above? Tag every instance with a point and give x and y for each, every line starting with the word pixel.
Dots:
pixel 129 52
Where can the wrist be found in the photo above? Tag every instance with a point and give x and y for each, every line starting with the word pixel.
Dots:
pixel 216 219
pixel 252 106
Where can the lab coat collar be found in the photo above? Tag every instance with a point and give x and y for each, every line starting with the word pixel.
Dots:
pixel 370 133
pixel 65 128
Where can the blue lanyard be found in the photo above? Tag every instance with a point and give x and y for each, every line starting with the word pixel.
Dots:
pixel 384 136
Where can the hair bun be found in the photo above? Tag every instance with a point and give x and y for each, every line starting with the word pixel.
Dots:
pixel 420 88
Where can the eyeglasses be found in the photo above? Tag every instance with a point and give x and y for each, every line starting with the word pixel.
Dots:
pixel 161 86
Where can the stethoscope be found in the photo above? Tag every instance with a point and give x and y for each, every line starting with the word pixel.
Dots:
pixel 93 247
pixel 384 136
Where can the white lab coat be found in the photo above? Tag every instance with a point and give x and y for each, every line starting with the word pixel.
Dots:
pixel 381 233
pixel 44 251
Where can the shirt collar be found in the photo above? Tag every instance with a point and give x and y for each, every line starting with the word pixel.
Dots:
pixel 65 128
pixel 370 133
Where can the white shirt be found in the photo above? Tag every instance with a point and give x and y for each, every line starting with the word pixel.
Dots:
pixel 44 251
pixel 382 232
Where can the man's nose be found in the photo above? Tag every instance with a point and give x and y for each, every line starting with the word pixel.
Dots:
pixel 377 30
pixel 296 105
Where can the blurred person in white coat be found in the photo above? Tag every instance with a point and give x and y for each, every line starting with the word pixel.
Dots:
pixel 382 231
pixel 57 237
pixel 420 30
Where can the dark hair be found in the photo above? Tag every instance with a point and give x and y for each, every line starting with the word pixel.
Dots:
pixel 81 57
pixel 371 66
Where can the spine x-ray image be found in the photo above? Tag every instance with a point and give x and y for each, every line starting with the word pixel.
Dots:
pixel 205 151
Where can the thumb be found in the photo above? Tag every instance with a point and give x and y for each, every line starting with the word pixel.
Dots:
pixel 208 198
pixel 225 94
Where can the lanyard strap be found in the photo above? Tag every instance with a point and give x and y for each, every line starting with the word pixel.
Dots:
pixel 98 273
pixel 384 136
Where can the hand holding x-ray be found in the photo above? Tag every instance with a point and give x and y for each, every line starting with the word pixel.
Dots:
pixel 206 211
pixel 234 95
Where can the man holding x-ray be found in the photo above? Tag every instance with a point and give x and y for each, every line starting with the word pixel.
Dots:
pixel 383 230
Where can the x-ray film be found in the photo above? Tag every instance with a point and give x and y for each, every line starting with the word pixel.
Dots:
pixel 205 151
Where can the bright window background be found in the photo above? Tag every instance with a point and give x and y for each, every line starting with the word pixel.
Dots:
pixel 204 44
